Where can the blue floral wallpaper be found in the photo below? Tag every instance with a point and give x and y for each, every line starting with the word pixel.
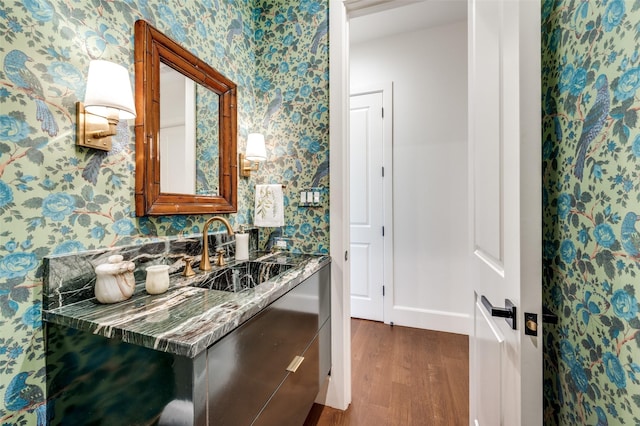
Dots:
pixel 591 203
pixel 56 198
pixel 292 86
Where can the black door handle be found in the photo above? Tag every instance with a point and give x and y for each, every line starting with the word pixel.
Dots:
pixel 508 312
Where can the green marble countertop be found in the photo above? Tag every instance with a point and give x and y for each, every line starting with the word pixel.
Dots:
pixel 185 320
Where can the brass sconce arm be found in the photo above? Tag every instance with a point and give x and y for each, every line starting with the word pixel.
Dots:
pixel 95 131
pixel 246 166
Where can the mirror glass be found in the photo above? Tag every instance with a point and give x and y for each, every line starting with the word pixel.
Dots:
pixel 185 130
pixel 189 135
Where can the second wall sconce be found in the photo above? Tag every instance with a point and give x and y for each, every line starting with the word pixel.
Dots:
pixel 256 152
pixel 108 98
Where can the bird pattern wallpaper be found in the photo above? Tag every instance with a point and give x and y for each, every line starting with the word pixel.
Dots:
pixel 56 198
pixel 591 211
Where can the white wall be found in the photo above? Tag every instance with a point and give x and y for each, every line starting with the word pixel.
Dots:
pixel 428 69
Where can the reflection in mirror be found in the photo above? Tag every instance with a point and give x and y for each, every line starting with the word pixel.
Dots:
pixel 207 136
pixel 177 132
pixel 189 135
pixel 185 130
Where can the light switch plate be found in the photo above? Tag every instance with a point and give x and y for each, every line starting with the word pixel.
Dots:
pixel 311 197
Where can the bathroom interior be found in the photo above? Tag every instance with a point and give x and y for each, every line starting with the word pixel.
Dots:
pixel 75 204
pixel 76 214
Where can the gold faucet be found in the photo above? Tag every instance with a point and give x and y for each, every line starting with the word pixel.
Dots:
pixel 205 265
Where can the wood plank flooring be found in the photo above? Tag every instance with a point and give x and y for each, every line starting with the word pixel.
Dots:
pixel 403 376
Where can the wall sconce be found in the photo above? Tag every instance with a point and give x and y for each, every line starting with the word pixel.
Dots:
pixel 256 152
pixel 108 99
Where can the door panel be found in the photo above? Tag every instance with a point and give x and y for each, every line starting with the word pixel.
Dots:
pixel 360 255
pixel 367 244
pixel 489 348
pixel 360 147
pixel 505 209
pixel 487 170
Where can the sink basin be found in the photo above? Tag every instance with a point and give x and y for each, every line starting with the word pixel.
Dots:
pixel 242 276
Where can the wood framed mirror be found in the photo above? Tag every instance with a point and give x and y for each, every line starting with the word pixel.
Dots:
pixel 178 174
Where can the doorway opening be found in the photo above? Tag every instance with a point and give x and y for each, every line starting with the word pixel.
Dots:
pixel 414 275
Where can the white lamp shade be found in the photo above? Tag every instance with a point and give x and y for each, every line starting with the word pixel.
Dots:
pixel 256 150
pixel 108 86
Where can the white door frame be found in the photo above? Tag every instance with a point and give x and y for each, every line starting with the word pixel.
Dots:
pixel 386 88
pixel 339 390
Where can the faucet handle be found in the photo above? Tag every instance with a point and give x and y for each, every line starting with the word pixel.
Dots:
pixel 220 258
pixel 188 270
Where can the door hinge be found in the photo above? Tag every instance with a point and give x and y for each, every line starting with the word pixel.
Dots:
pixel 382 112
pixel 383 231
pixel 382 290
pixel 382 171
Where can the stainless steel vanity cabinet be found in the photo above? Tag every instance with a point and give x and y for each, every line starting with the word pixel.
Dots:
pixel 269 370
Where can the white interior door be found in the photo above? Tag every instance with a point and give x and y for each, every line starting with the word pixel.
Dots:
pixel 366 200
pixel 505 210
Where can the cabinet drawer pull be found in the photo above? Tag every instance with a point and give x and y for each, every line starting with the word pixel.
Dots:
pixel 295 363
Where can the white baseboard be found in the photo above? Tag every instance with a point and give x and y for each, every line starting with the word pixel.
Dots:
pixel 450 322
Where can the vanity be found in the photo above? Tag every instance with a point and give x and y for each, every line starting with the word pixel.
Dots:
pixel 247 343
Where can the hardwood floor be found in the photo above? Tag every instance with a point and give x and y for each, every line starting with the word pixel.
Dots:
pixel 403 376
